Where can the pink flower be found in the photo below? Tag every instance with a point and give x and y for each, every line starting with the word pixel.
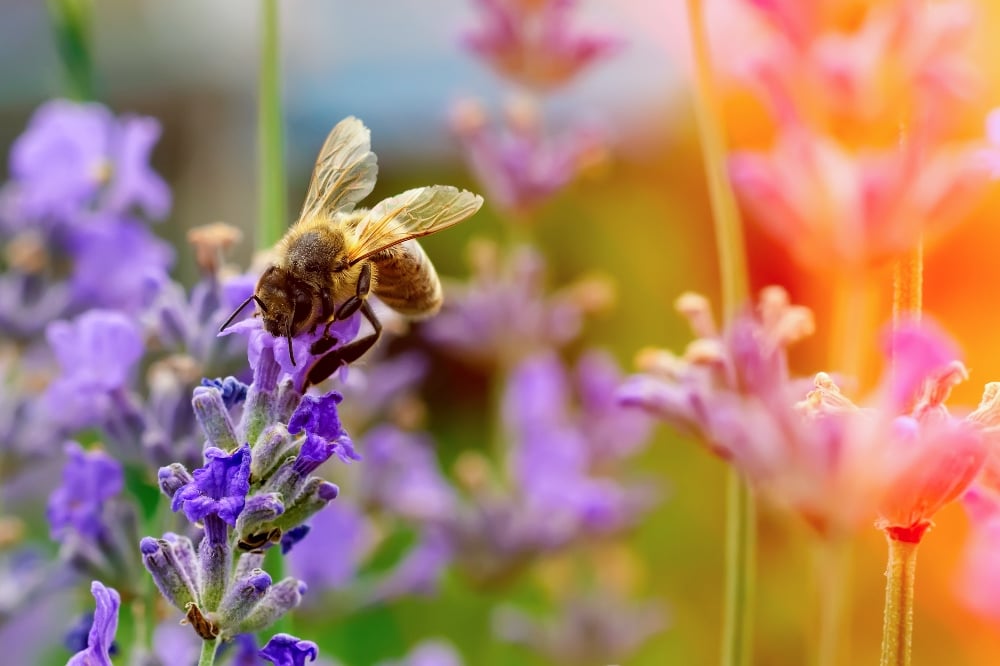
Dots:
pixel 829 204
pixel 532 43
pixel 901 57
pixel 518 163
pixel 835 464
pixel 979 573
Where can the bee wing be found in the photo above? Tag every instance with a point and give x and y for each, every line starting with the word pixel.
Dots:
pixel 412 214
pixel 345 170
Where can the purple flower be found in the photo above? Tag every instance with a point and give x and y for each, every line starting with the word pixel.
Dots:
pixel 504 314
pixel 77 157
pixel 535 45
pixel 519 164
pixel 90 479
pixel 102 631
pixel 598 627
pixel 402 476
pixel 557 449
pixel 287 650
pixel 340 538
pixel 325 436
pixel 219 488
pixel 234 392
pixel 96 353
pixel 117 264
pixel 265 348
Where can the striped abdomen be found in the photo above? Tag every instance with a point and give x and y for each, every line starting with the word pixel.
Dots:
pixel 406 281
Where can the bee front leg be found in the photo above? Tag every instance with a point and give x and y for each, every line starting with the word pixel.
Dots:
pixel 349 353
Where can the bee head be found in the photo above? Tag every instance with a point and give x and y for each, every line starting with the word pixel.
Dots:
pixel 288 306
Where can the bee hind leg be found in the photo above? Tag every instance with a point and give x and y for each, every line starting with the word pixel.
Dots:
pixel 349 353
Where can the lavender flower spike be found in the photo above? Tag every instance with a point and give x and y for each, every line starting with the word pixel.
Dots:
pixel 90 479
pixel 102 631
pixel 287 650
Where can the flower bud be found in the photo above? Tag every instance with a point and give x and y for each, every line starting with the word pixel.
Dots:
pixel 214 418
pixel 280 598
pixel 242 598
pixel 168 574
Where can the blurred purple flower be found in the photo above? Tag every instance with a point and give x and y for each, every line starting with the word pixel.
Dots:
pixel 89 480
pixel 102 631
pixel 96 353
pixel 117 264
pixel 504 314
pixel 287 650
pixel 325 436
pixel 519 164
pixel 533 43
pixel 420 569
pixel 556 453
pixel 597 628
pixel 219 488
pixel 75 158
pixel 339 539
pixel 401 476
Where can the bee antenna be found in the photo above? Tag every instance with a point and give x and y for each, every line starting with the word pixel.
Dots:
pixel 239 310
pixel 260 303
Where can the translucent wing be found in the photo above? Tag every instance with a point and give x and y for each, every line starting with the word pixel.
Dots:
pixel 345 170
pixel 412 214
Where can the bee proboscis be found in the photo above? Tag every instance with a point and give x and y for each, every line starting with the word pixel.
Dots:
pixel 334 256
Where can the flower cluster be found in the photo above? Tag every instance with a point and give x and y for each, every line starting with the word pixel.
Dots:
pixel 531 44
pixel 68 220
pixel 256 487
pixel 900 458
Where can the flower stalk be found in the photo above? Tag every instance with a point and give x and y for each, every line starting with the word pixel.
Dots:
pixel 740 509
pixel 71 23
pixel 208 649
pixel 897 627
pixel 270 132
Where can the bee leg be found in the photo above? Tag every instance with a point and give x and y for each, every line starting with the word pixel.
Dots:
pixel 324 344
pixel 349 353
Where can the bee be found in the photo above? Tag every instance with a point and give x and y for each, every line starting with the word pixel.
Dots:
pixel 335 255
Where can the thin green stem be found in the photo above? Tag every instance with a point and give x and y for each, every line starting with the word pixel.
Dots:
pixel 740 521
pixel 897 628
pixel 71 25
pixel 270 133
pixel 741 538
pixel 207 656
pixel 728 228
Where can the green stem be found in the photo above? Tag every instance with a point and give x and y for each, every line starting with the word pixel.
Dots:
pixel 270 133
pixel 71 23
pixel 207 657
pixel 728 228
pixel 741 537
pixel 897 628
pixel 740 522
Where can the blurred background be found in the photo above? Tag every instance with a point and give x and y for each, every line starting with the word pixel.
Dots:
pixel 639 216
